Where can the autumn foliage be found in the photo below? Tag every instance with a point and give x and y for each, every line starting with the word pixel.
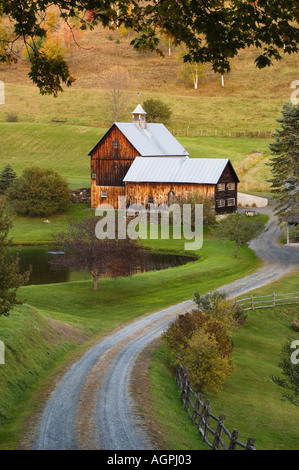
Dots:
pixel 202 344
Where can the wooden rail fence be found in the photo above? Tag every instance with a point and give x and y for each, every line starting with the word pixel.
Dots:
pixel 201 415
pixel 266 301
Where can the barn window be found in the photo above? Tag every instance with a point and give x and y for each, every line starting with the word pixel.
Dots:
pixel 231 186
pixel 104 193
pixel 231 202
pixel 115 144
pixel 221 187
pixel 150 200
pixel 220 203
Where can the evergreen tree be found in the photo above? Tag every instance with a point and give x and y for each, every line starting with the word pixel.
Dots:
pixel 7 176
pixel 10 277
pixel 290 380
pixel 285 162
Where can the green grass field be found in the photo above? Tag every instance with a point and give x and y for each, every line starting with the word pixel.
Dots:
pixel 32 231
pixel 67 313
pixel 250 400
pixel 65 148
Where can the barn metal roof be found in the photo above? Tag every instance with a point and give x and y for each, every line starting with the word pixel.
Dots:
pixel 176 170
pixel 154 141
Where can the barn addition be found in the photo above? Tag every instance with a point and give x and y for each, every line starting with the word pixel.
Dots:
pixel 144 162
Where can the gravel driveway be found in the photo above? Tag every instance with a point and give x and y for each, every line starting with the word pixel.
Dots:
pixel 113 424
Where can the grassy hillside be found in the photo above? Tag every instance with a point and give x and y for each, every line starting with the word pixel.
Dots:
pixel 34 345
pixel 250 400
pixel 250 100
pixel 65 148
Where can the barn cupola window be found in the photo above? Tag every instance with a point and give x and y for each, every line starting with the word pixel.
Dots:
pixel 139 117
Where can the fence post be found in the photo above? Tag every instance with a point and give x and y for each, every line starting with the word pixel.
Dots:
pixel 252 304
pixel 233 440
pixel 187 399
pixel 183 380
pixel 206 417
pixel 218 432
pixel 273 299
pixel 250 443
pixel 195 411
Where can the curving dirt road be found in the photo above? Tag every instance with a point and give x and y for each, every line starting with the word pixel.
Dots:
pixel 92 407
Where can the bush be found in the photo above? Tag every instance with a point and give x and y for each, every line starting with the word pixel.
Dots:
pixel 157 111
pixel 7 176
pixel 39 193
pixel 203 347
pixel 219 306
pixel 295 324
pixel 11 117
pixel 209 214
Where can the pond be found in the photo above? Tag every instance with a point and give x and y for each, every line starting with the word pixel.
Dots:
pixel 38 258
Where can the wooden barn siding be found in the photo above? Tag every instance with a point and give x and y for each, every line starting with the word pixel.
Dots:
pixel 138 193
pixel 113 192
pixel 110 164
pixel 228 176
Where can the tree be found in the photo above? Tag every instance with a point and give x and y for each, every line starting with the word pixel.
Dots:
pixel 290 371
pixel 157 111
pixel 10 277
pixel 190 71
pixel 116 80
pixel 202 344
pixel 7 176
pixel 39 193
pixel 285 162
pixel 83 251
pixel 240 229
pixel 213 31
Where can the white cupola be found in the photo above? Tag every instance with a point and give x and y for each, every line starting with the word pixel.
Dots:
pixel 139 117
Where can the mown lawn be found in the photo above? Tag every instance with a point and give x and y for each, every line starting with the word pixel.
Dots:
pixel 250 399
pixel 36 351
pixel 33 230
pixel 65 148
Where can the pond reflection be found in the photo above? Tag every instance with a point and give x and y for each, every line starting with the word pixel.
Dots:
pixel 38 258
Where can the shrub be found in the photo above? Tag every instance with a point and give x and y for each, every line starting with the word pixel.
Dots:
pixel 295 324
pixel 157 111
pixel 203 346
pixel 39 193
pixel 219 306
pixel 209 214
pixel 11 117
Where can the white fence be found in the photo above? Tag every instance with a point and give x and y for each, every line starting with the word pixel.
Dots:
pixel 272 300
